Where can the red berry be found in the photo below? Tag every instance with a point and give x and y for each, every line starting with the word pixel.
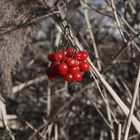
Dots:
pixel 62 69
pixel 70 50
pixel 77 76
pixel 70 62
pixel 77 55
pixel 84 55
pixel 58 56
pixel 51 56
pixel 50 74
pixel 74 70
pixel 84 66
pixel 69 77
pixel 52 71
pixel 54 67
pixel 77 62
pixel 81 55
pixel 55 63
pixel 69 55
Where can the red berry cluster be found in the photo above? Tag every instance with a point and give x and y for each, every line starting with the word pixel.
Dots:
pixel 67 63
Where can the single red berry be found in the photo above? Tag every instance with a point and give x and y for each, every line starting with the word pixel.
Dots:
pixel 70 52
pixel 62 68
pixel 81 55
pixel 58 56
pixel 54 67
pixel 84 66
pixel 52 70
pixel 55 63
pixel 77 55
pixel 51 56
pixel 77 76
pixel 70 62
pixel 74 70
pixel 69 77
pixel 84 55
pixel 50 74
pixel 69 55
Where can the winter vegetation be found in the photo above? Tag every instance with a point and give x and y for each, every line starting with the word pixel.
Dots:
pixel 102 102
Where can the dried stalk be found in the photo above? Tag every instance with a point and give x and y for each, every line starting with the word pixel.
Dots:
pixel 132 106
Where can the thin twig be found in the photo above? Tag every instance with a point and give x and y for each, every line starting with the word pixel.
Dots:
pixel 132 106
pixel 109 116
pixel 126 88
pixel 28 83
pixel 56 132
pixel 25 25
pixel 117 20
pixel 99 112
pixel 35 130
pixel 3 117
pixel 86 14
pixel 104 99
pixel 48 99
pixel 119 131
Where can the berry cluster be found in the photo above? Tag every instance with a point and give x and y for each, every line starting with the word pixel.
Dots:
pixel 67 63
